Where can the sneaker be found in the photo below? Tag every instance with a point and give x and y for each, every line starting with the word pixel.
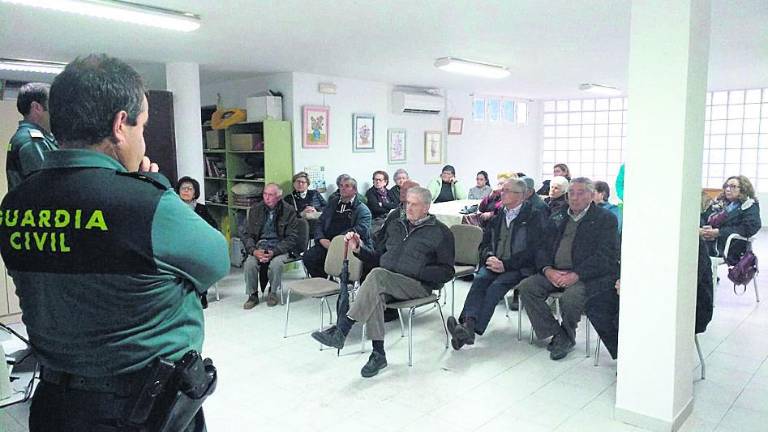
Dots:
pixel 376 362
pixel 561 346
pixel 331 337
pixel 272 299
pixel 252 301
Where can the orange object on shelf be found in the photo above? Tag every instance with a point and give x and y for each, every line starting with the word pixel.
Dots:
pixel 222 119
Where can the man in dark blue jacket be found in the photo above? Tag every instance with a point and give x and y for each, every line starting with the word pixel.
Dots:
pixel 579 259
pixel 508 252
pixel 344 213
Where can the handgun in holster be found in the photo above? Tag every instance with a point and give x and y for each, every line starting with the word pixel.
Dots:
pixel 193 381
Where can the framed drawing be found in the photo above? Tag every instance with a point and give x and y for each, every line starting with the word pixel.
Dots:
pixel 433 147
pixel 455 125
pixel 396 146
pixel 362 130
pixel 315 127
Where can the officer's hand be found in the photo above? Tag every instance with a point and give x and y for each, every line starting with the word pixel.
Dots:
pixel 148 166
pixel 353 241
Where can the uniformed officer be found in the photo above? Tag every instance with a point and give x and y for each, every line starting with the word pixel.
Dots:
pixel 28 146
pixel 108 262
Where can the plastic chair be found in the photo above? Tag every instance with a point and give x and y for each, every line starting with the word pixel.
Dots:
pixel 412 305
pixel 321 288
pixel 467 240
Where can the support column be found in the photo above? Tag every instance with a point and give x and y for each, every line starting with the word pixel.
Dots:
pixel 669 46
pixel 183 79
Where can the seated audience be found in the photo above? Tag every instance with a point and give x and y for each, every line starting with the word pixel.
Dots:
pixel 579 257
pixel 414 258
pixel 271 232
pixel 398 177
pixel 530 195
pixel 491 203
pixel 559 170
pixel 483 189
pixel 336 193
pixel 602 194
pixel 736 212
pixel 446 187
pixel 507 254
pixel 556 200
pixel 343 214
pixel 379 199
pixel 188 190
pixel 308 203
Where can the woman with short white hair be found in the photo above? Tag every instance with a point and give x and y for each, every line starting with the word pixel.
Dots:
pixel 556 200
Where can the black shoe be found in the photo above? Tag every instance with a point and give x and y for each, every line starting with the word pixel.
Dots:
pixel 452 324
pixel 391 315
pixel 331 337
pixel 515 303
pixel 561 346
pixel 376 362
pixel 460 335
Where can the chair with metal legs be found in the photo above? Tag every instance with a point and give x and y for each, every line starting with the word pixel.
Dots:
pixel 321 288
pixel 698 351
pixel 412 305
pixel 467 239
pixel 555 297
pixel 304 241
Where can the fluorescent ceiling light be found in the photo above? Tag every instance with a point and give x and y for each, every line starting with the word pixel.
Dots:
pixel 600 89
pixel 119 10
pixel 32 66
pixel 469 67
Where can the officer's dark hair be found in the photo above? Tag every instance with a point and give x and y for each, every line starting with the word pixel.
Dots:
pixel 89 93
pixel 32 92
pixel 188 179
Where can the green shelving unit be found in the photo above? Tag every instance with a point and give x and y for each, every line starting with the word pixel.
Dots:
pixel 271 163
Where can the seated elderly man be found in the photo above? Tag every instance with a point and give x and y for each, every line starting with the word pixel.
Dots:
pixel 344 213
pixel 508 251
pixel 579 258
pixel 415 256
pixel 557 199
pixel 271 232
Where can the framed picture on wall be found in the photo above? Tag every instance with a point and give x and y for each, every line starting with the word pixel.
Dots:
pixel 433 147
pixel 315 126
pixel 396 146
pixel 494 109
pixel 478 109
pixel 455 125
pixel 362 130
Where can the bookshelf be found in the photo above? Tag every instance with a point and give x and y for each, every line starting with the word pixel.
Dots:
pixel 252 153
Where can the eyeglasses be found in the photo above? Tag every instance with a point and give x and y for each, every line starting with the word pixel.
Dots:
pixel 511 191
pixel 731 186
pixel 187 188
pixel 379 179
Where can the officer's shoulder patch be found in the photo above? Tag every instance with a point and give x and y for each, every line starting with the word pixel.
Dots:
pixel 158 180
pixel 34 133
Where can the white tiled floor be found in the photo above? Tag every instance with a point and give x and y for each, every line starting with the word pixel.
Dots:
pixel 268 383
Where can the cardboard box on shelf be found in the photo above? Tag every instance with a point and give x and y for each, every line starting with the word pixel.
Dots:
pixel 262 108
pixel 213 140
pixel 246 142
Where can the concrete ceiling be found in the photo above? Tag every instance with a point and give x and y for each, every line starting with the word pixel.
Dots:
pixel 549 46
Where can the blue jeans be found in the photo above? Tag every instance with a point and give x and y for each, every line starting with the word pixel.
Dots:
pixel 487 289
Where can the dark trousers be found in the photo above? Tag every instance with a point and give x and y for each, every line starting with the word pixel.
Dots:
pixel 56 408
pixel 603 313
pixel 487 289
pixel 314 260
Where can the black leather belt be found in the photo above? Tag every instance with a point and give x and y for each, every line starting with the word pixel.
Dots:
pixel 122 385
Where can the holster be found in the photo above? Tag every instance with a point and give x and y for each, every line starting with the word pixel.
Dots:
pixel 194 380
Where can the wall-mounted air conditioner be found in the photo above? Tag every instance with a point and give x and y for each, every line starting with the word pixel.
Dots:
pixel 416 103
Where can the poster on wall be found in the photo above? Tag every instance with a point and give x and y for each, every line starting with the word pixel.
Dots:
pixel 494 109
pixel 396 146
pixel 478 109
pixel 508 110
pixel 362 128
pixel 433 148
pixel 316 177
pixel 315 127
pixel 455 125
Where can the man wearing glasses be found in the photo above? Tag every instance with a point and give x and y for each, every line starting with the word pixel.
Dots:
pixel 508 254
pixel 344 213
pixel 579 259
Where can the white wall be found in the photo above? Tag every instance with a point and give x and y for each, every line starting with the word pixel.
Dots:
pixel 493 147
pixel 482 146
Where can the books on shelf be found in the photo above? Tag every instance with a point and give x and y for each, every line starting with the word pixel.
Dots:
pixel 215 167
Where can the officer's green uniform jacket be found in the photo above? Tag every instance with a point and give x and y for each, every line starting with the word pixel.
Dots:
pixel 107 264
pixel 26 152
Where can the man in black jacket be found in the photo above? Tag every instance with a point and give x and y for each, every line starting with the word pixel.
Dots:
pixel 414 257
pixel 271 233
pixel 579 258
pixel 508 252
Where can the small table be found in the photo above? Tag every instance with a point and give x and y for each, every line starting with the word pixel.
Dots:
pixel 448 212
